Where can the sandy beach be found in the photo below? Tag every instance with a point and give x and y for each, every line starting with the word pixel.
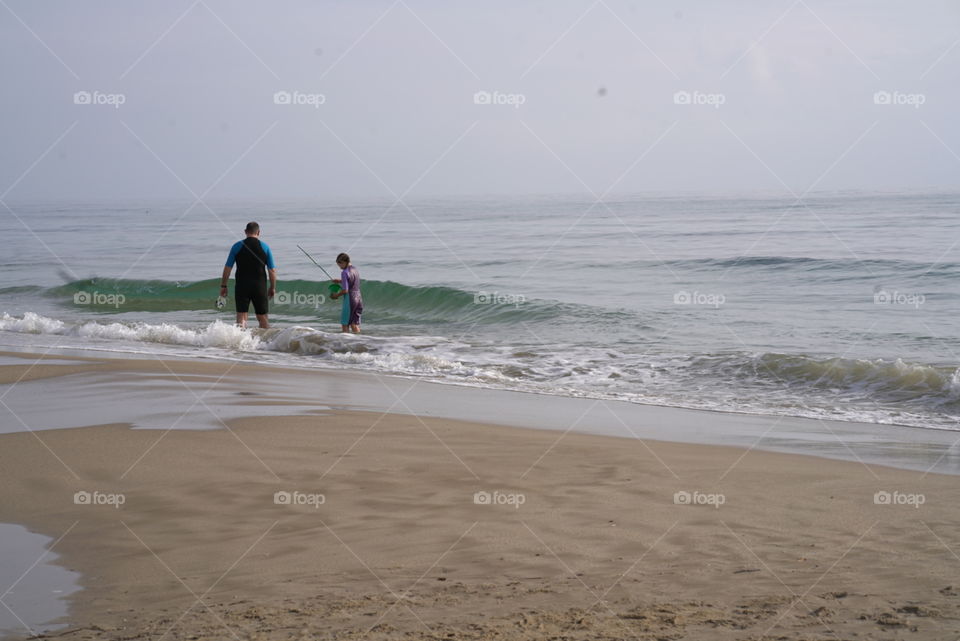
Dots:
pixel 346 525
pixel 433 321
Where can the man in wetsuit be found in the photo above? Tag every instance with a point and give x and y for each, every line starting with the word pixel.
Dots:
pixel 350 286
pixel 251 256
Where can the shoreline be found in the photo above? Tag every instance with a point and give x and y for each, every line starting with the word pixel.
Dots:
pixel 433 527
pixel 920 449
pixel 296 345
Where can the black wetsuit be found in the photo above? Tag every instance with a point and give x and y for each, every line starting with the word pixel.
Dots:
pixel 253 258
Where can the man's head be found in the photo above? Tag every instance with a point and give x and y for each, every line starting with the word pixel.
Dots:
pixel 252 229
pixel 343 260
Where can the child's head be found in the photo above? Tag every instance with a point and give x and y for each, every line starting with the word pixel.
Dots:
pixel 343 259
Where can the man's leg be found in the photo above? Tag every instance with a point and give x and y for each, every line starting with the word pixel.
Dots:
pixel 261 305
pixel 242 297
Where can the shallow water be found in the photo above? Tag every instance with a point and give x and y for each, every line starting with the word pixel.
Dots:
pixel 31 587
pixel 842 310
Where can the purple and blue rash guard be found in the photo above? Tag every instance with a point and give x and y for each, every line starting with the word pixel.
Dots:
pixel 251 255
pixel 350 283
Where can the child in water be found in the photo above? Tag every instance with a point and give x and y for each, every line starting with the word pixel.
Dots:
pixel 350 287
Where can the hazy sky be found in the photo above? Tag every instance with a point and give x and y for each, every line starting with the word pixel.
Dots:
pixel 589 91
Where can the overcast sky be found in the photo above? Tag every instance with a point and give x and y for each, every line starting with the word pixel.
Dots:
pixel 779 95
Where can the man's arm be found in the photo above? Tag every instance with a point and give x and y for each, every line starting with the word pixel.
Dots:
pixel 223 280
pixel 228 267
pixel 273 283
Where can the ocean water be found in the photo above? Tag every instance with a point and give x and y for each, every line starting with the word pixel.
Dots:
pixel 841 307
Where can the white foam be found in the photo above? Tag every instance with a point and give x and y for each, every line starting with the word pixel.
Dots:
pixel 419 363
pixel 715 382
pixel 216 334
pixel 954 386
pixel 32 324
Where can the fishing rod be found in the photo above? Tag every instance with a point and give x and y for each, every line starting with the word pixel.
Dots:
pixel 315 262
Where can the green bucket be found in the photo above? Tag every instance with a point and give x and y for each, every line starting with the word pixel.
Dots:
pixel 334 288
